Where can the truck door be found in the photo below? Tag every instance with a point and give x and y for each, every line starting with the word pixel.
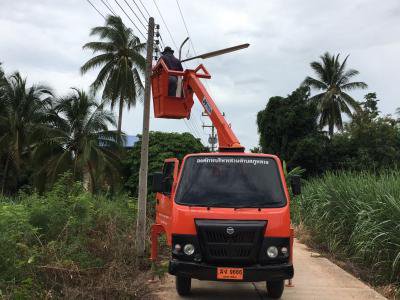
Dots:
pixel 164 200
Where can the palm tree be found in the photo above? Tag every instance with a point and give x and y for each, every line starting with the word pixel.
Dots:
pixel 334 81
pixel 80 141
pixel 120 60
pixel 23 115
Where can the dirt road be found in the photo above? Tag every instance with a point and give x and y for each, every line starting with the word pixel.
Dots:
pixel 315 278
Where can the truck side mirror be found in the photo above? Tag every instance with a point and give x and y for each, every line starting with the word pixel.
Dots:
pixel 295 183
pixel 157 182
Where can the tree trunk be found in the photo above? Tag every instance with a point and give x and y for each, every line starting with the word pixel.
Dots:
pixel 3 185
pixel 331 127
pixel 121 106
pixel 88 179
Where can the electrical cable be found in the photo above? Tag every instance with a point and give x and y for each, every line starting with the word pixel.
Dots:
pixel 145 8
pixel 109 8
pixel 192 125
pixel 140 10
pixel 186 28
pixel 130 19
pixel 140 21
pixel 96 9
pixel 165 24
pixel 190 38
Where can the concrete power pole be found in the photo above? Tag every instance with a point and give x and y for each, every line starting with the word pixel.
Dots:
pixel 212 139
pixel 141 235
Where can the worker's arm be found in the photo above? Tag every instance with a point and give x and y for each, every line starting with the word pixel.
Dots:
pixel 180 68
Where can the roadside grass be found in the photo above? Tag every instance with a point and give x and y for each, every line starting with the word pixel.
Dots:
pixel 69 244
pixel 354 217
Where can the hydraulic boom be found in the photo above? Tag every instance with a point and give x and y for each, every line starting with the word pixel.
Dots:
pixel 179 107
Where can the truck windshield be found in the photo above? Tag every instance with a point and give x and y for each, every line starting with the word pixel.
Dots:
pixel 230 181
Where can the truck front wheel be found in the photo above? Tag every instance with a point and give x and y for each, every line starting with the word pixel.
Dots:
pixel 275 288
pixel 183 285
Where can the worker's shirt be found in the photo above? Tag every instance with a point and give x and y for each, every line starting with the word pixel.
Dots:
pixel 172 62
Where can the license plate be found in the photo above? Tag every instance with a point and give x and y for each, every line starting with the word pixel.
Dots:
pixel 230 273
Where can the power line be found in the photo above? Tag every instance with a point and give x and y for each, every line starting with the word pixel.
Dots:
pixel 130 19
pixel 165 24
pixel 96 9
pixel 190 38
pixel 144 8
pixel 191 129
pixel 187 30
pixel 144 17
pixel 191 124
pixel 108 7
pixel 144 26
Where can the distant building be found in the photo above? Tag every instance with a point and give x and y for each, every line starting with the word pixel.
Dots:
pixel 129 141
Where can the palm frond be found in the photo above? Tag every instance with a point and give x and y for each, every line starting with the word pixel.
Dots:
pixel 96 61
pixel 100 46
pixel 315 83
pixel 350 101
pixel 354 85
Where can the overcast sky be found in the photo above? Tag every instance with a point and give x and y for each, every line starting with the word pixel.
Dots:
pixel 43 40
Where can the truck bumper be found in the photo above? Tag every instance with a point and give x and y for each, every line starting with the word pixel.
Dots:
pixel 255 273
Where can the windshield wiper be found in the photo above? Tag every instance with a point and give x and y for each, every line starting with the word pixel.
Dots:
pixel 245 206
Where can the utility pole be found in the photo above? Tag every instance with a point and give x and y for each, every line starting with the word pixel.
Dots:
pixel 141 235
pixel 212 139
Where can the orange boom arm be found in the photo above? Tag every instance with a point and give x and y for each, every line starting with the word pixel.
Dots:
pixel 180 107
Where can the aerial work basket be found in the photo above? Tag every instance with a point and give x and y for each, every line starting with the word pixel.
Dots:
pixel 165 106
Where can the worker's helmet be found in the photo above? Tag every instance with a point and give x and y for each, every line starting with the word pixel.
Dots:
pixel 168 50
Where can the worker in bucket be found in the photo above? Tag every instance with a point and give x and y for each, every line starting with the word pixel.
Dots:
pixel 173 64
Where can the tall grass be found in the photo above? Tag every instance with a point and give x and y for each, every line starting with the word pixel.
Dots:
pixel 356 216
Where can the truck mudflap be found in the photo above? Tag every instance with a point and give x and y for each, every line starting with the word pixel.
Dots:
pixel 254 273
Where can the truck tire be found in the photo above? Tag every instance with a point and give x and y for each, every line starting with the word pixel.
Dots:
pixel 183 285
pixel 275 288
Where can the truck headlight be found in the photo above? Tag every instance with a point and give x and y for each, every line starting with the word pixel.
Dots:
pixel 284 251
pixel 188 249
pixel 272 252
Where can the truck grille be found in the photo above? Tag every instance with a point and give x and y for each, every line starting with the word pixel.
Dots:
pixel 230 241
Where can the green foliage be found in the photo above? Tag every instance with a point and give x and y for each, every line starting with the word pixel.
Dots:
pixel 23 113
pixel 65 229
pixel 297 171
pixel 79 141
pixel 121 62
pixel 288 128
pixel 161 146
pixel 42 137
pixel 333 81
pixel 355 215
pixel 368 142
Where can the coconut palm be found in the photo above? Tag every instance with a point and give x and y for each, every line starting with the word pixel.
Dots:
pixel 80 141
pixel 23 115
pixel 333 80
pixel 121 64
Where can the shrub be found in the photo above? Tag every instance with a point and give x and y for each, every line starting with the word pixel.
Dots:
pixel 67 243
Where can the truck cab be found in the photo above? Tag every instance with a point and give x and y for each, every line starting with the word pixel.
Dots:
pixel 226 217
